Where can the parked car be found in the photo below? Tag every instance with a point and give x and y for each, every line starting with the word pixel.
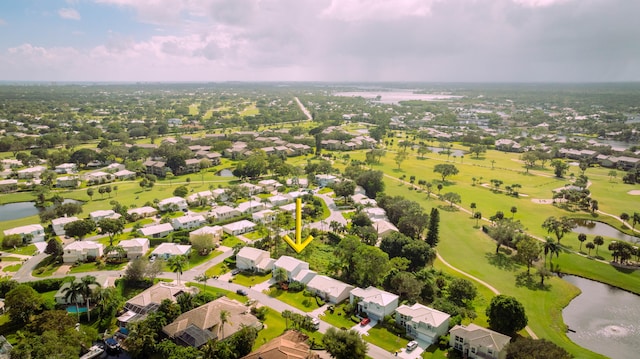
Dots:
pixel 241 292
pixel 412 345
pixel 365 321
pixel 315 323
pixel 235 271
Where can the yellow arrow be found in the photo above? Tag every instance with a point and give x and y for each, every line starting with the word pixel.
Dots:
pixel 298 245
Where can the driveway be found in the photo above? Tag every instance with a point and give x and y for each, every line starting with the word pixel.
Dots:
pixel 414 354
pixel 364 329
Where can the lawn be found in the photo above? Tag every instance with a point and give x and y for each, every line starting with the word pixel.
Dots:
pixel 12 268
pixel 93 266
pixel 194 260
pixel 298 300
pixel 255 235
pixel 218 269
pixel 231 241
pixel 381 337
pixel 248 279
pixel 26 250
pixel 338 318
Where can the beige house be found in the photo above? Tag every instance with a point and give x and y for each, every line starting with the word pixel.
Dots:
pixel 254 260
pixel 214 231
pixel 148 301
pixel 329 289
pixel 290 345
pixel 35 231
pixel 197 326
pixel 135 248
pixel 80 251
pixel 475 341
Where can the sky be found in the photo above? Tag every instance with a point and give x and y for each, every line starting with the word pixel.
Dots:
pixel 320 40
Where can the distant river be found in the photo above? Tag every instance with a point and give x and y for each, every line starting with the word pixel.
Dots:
pixel 606 319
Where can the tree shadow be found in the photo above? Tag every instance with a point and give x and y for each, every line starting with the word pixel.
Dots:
pixel 530 282
pixel 448 208
pixel 501 261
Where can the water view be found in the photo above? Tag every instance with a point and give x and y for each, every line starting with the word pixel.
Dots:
pixel 396 96
pixel 598 228
pixel 605 319
pixel 19 210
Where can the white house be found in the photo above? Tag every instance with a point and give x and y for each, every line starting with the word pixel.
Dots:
pixel 325 180
pixel 301 182
pixel 98 176
pixel 269 185
pixel 196 197
pixel 215 231
pixel 374 302
pixel 375 214
pixel 477 342
pixel 80 251
pixel 224 212
pixel 36 231
pixel 251 207
pixel 31 172
pixel 157 231
pixel 168 250
pixel 143 212
pixel 96 216
pixel 240 227
pixel 135 248
pixel 279 199
pixel 254 260
pixel 59 223
pixel 173 202
pixel 66 168
pixel 329 289
pixel 384 227
pixel 304 276
pixel 422 322
pixel 362 199
pixel 67 182
pixel 124 174
pixel 188 222
pixel 253 189
pixel 264 216
pixel 291 265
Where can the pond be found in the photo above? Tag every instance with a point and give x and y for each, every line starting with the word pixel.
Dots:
pixel 598 228
pixel 19 210
pixel 456 153
pixel 225 173
pixel 605 319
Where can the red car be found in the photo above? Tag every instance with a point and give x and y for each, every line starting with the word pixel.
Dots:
pixel 365 321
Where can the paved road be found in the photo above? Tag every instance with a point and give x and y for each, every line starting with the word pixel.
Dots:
pixel 304 109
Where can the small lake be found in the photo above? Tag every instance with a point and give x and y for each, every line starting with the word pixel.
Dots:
pixel 394 97
pixel 456 153
pixel 225 173
pixel 598 228
pixel 606 319
pixel 19 210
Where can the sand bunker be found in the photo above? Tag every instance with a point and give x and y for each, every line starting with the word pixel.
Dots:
pixel 635 192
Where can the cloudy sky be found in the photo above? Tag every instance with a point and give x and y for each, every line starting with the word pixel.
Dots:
pixel 320 40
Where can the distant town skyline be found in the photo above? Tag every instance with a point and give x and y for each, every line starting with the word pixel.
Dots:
pixel 323 40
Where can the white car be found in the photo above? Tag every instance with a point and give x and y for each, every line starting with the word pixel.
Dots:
pixel 412 345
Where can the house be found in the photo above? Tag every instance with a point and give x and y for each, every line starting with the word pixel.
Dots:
pixel 58 224
pixel 250 207
pixel 31 172
pixel 114 167
pixel 376 303
pixel 363 200
pixel 202 324
pixel 253 189
pixel 269 185
pixel 67 182
pixel 192 165
pixel 142 212
pixel 324 180
pixel 375 213
pixel 297 182
pixel 240 227
pixel 223 213
pixel 66 168
pixel 422 322
pixel 80 251
pixel 188 222
pixel 30 234
pixel 173 204
pixel 279 199
pixel 264 216
pixel 291 265
pixel 384 227
pixel 168 250
pixel 148 301
pixel 304 276
pixel 214 231
pixel 9 185
pixel 158 168
pixel 329 289
pixel 135 248
pixel 157 231
pixel 61 295
pixel 98 176
pixel 205 196
pixel 290 345
pixel 96 216
pixel 254 260
pixel 477 342
pixel 124 175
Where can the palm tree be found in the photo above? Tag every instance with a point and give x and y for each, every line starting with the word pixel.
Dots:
pixel 514 209
pixel 203 278
pixel 177 264
pixel 86 283
pixel 473 208
pixel 590 246
pixel 477 216
pixel 598 241
pixel 551 248
pixel 224 319
pixel 582 237
pixel 73 293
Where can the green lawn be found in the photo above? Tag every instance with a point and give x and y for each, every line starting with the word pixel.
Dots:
pixel 338 318
pixel 194 260
pixel 298 300
pixel 255 235
pixel 218 269
pixel 248 279
pixel 231 241
pixel 381 337
pixel 12 268
pixel 91 267
pixel 11 259
pixel 26 250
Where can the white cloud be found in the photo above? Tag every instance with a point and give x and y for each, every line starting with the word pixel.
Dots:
pixel 355 10
pixel 69 14
pixel 539 3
